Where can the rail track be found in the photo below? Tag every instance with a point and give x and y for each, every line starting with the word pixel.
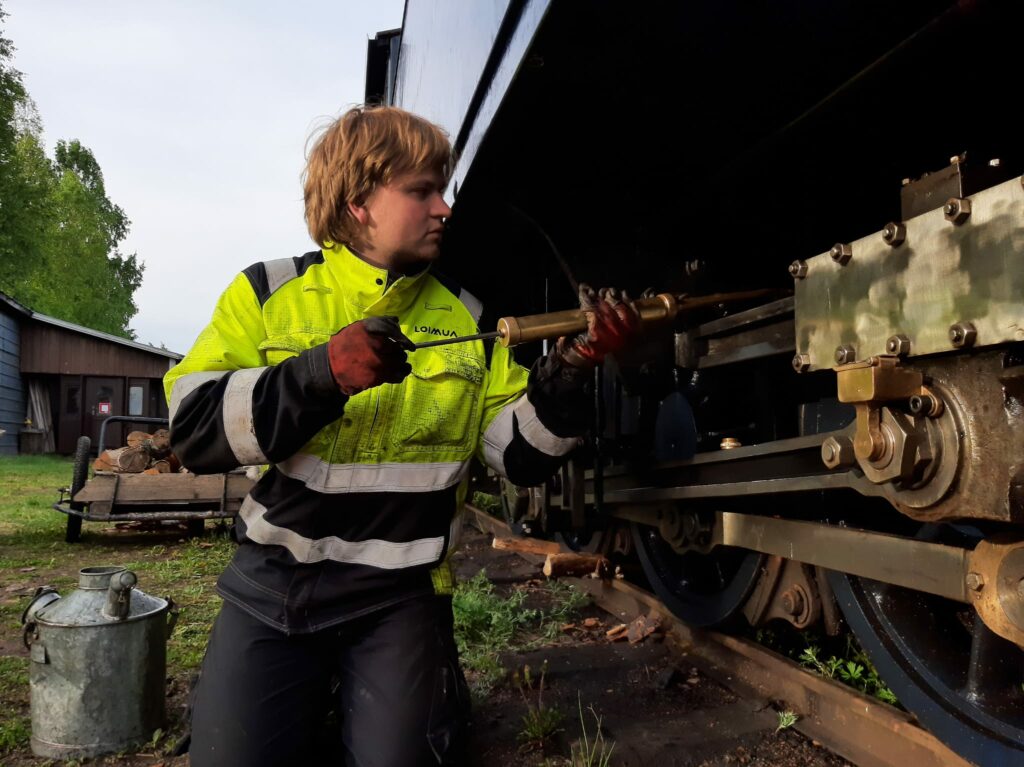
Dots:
pixel 859 728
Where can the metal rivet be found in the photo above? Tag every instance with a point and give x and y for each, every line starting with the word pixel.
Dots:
pixel 957 210
pixel 798 270
pixel 894 233
pixel 801 363
pixel 995 162
pixel 841 253
pixel 845 354
pixel 898 344
pixel 963 334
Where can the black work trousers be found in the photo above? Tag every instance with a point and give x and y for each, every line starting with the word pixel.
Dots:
pixel 382 690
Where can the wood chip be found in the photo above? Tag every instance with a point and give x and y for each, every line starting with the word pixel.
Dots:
pixel 642 628
pixel 591 623
pixel 617 632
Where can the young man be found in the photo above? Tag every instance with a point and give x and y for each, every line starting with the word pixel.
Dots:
pixel 338 595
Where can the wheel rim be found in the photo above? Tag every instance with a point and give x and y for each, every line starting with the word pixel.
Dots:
pixel 700 589
pixel 961 681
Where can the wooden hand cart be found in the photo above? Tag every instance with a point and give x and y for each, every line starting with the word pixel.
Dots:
pixel 117 497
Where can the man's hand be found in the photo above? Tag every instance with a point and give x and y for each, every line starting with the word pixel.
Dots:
pixel 612 321
pixel 368 353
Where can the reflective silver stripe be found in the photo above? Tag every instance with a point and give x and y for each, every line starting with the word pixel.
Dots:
pixel 238 422
pixel 499 434
pixel 537 434
pixel 476 308
pixel 188 384
pixel 497 437
pixel 374 552
pixel 324 477
pixel 279 271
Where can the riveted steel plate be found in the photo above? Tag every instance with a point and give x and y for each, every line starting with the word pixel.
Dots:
pixel 942 274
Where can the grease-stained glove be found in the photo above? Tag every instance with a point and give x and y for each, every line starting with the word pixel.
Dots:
pixel 612 322
pixel 369 353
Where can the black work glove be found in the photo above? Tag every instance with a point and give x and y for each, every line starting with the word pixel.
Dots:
pixel 369 353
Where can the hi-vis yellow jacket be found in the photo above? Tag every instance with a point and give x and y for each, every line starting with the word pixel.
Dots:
pixel 358 508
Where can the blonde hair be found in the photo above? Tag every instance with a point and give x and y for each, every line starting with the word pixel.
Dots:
pixel 365 147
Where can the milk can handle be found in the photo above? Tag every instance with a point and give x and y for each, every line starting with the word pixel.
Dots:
pixel 172 616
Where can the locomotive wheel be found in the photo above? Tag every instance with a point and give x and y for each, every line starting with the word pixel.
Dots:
pixel 700 589
pixel 958 678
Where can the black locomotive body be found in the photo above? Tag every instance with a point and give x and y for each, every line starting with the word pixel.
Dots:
pixel 847 444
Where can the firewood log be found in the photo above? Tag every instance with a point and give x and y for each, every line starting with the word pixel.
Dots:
pixel 161 467
pixel 137 438
pixel 567 565
pixel 132 460
pixel 525 545
pixel 160 443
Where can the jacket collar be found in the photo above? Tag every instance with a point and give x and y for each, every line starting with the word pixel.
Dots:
pixel 365 286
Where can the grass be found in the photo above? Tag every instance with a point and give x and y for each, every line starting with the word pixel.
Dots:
pixel 787 719
pixel 587 752
pixel 540 722
pixel 488 623
pixel 33 553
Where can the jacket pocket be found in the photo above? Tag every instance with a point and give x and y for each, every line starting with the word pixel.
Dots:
pixel 438 404
pixel 279 348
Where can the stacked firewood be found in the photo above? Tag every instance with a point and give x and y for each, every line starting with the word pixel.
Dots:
pixel 144 454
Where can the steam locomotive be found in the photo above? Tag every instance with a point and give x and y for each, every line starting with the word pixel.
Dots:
pixel 848 445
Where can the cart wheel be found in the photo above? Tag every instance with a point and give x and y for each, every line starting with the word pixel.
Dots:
pixel 195 527
pixel 79 474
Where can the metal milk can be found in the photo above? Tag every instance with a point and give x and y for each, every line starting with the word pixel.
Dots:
pixel 98 665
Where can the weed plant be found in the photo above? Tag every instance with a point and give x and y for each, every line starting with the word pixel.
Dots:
pixel 840 658
pixel 587 752
pixel 540 722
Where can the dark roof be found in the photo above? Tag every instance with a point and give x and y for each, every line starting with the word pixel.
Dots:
pixel 24 310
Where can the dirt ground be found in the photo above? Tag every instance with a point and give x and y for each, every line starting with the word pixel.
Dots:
pixel 657 707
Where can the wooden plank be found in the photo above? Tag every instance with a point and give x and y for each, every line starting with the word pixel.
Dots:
pixel 148 488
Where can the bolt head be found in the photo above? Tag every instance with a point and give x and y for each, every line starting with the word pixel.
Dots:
pixel 975 581
pixel 995 162
pixel 957 210
pixel 898 345
pixel 801 363
pixel 963 334
pixel 838 453
pixel 798 270
pixel 894 233
pixel 845 355
pixel 841 253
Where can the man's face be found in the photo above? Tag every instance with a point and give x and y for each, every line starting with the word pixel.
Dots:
pixel 403 221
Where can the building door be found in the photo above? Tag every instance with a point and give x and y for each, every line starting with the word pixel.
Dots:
pixel 69 415
pixel 104 397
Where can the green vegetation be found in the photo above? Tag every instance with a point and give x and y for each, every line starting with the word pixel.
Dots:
pixel 840 658
pixel 854 669
pixel 488 503
pixel 33 553
pixel 488 623
pixel 540 722
pixel 591 753
pixel 59 232
pixel 786 720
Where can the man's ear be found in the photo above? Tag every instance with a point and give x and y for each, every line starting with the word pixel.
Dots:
pixel 359 212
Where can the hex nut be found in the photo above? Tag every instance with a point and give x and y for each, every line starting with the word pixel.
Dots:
pixel 801 363
pixel 975 581
pixel 894 233
pixel 957 210
pixel 898 345
pixel 963 334
pixel 798 270
pixel 841 253
pixel 845 354
pixel 838 453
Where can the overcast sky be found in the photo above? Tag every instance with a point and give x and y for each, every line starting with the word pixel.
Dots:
pixel 198 113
